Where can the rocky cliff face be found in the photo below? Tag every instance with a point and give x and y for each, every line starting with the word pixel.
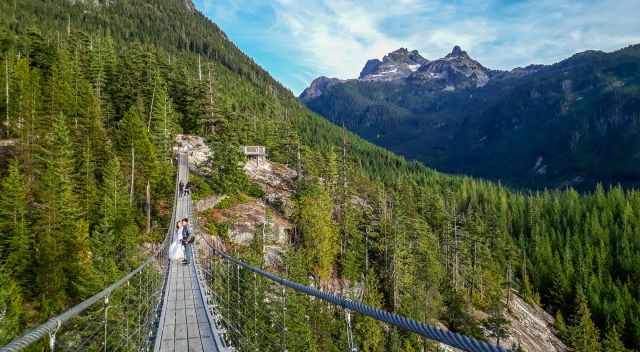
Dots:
pixel 198 151
pixel 395 65
pixel 318 86
pixel 455 71
pixel 248 217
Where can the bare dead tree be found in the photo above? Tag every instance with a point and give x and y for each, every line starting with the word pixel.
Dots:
pixel 133 172
pixel 6 82
pixel 148 206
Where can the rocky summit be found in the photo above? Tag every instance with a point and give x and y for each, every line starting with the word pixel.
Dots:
pixel 395 65
pixel 457 70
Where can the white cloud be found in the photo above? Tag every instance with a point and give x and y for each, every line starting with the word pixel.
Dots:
pixel 336 37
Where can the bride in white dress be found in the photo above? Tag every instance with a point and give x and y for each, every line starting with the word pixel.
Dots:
pixel 176 250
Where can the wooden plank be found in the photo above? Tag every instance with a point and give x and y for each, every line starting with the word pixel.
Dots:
pixel 192 316
pixel 181 317
pixel 195 345
pixel 168 333
pixel 181 332
pixel 181 346
pixel 193 331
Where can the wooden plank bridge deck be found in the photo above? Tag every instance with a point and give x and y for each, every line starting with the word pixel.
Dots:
pixel 185 324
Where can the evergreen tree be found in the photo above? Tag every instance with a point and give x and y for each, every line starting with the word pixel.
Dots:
pixel 56 220
pixel 115 239
pixel 369 332
pixel 17 238
pixel 496 324
pixel 11 306
pixel 561 326
pixel 584 335
pixel 134 145
pixel 314 211
pixel 612 342
pixel 163 122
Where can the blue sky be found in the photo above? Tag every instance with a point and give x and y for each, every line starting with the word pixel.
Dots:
pixel 299 40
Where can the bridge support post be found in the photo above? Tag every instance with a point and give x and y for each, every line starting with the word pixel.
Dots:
pixel 126 329
pixel 284 319
pixel 52 336
pixel 106 321
pixel 255 307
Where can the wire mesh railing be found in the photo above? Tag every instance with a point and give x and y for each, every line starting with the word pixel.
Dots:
pixel 121 317
pixel 261 311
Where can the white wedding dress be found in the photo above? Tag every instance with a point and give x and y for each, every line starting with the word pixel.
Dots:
pixel 176 250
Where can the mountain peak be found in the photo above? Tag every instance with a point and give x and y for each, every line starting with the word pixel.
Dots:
pixel 457 52
pixel 395 65
pixel 403 55
pixel 400 51
pixel 189 5
pixel 317 87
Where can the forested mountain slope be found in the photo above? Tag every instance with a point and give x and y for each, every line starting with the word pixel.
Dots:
pixel 96 92
pixel 574 123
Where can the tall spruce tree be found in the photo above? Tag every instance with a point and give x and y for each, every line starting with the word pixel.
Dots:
pixel 16 238
pixel 56 220
pixel 11 306
pixel 314 210
pixel 163 121
pixel 612 342
pixel 584 335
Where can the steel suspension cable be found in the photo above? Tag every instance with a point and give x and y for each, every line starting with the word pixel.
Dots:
pixel 430 332
pixel 51 326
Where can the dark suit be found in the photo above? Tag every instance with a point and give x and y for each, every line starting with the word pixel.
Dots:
pixel 186 238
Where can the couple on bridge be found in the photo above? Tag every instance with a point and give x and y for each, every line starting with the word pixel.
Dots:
pixel 181 245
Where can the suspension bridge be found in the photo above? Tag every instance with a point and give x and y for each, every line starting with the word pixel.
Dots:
pixel 217 302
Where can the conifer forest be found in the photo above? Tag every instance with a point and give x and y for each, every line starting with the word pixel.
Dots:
pixel 95 92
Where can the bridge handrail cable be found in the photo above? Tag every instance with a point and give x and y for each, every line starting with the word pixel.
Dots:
pixel 51 326
pixel 446 337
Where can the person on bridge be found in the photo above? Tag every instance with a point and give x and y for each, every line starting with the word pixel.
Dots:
pixel 176 250
pixel 181 189
pixel 187 188
pixel 187 240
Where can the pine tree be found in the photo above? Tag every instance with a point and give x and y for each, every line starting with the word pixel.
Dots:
pixel 56 220
pixel 86 183
pixel 62 94
pixel 163 122
pixel 134 145
pixel 115 239
pixel 314 211
pixel 584 335
pixel 27 104
pixel 496 323
pixel 11 306
pixel 368 332
pixel 17 238
pixel 612 342
pixel 561 325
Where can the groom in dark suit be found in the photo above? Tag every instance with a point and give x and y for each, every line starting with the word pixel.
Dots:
pixel 187 239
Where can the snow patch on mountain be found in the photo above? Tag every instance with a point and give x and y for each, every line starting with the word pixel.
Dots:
pixel 396 65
